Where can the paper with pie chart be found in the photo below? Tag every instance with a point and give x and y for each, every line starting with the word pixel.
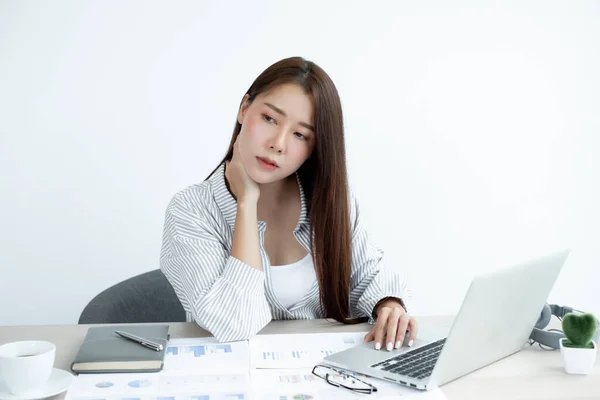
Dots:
pixel 159 386
pixel 194 369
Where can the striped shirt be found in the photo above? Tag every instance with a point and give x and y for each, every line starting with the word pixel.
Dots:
pixel 233 300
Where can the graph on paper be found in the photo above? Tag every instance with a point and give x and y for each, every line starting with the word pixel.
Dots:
pixel 206 355
pixel 299 350
pixel 278 384
pixel 283 379
pixel 114 386
pixel 287 384
pixel 174 385
pixel 199 350
pixel 297 378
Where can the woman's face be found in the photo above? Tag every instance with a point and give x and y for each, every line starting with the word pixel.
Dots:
pixel 277 133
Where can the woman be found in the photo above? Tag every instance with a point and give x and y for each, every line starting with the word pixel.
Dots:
pixel 273 232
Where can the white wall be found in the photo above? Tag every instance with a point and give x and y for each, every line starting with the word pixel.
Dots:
pixel 477 125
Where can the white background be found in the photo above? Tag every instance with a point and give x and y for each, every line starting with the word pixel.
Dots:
pixel 472 134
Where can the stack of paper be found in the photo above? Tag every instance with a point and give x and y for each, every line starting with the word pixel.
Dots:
pixel 268 367
pixel 195 369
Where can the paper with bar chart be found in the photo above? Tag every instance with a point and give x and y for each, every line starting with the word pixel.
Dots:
pixel 299 350
pixel 207 355
pixel 194 369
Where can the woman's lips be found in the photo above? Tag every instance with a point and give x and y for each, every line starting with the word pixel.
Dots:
pixel 266 165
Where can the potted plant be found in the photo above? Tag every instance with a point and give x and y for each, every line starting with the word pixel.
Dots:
pixel 578 349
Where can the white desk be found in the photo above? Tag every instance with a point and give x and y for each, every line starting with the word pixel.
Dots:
pixel 532 374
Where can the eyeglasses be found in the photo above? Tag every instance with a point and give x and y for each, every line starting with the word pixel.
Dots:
pixel 342 379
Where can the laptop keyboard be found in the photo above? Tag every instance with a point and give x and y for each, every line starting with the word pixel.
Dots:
pixel 416 364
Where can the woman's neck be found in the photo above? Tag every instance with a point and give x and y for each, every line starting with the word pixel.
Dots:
pixel 274 195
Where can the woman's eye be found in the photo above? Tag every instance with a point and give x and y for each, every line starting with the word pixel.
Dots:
pixel 299 135
pixel 268 118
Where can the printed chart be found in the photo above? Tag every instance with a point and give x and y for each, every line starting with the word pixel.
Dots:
pixel 290 384
pixel 195 369
pixel 162 386
pixel 111 386
pixel 281 384
pixel 299 350
pixel 207 355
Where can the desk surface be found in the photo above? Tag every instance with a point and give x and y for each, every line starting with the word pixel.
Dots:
pixel 532 374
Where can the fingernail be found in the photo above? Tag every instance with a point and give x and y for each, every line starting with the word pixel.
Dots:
pixel 389 346
pixel 410 343
pixel 398 344
pixel 377 346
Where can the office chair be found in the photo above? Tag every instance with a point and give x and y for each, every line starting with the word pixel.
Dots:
pixel 148 297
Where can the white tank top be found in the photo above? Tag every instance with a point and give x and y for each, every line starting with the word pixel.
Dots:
pixel 291 282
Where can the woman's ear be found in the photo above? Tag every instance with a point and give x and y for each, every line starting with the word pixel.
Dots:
pixel 243 108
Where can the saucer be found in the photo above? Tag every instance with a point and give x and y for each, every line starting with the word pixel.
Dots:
pixel 59 381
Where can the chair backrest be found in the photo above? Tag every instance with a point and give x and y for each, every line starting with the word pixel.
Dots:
pixel 148 297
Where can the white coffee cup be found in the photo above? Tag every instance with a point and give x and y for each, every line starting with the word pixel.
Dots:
pixel 26 365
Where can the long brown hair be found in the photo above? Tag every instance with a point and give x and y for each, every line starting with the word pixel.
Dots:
pixel 324 180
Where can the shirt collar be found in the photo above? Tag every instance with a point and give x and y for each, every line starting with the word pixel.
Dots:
pixel 228 205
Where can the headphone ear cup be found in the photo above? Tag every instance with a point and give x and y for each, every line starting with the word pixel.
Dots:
pixel 544 318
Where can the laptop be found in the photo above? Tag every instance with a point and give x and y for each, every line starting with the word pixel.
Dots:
pixel 494 321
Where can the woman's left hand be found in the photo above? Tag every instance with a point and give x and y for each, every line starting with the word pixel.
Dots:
pixel 391 326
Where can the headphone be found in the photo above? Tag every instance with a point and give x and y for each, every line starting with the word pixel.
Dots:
pixel 551 337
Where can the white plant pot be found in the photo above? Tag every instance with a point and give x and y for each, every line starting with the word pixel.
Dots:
pixel 578 361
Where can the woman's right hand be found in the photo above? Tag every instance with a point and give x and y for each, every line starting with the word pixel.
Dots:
pixel 243 187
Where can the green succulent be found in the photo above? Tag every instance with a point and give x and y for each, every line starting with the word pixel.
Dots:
pixel 579 330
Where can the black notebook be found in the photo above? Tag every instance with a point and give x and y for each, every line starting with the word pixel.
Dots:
pixel 103 350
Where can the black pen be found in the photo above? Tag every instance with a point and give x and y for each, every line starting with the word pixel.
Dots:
pixel 140 340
